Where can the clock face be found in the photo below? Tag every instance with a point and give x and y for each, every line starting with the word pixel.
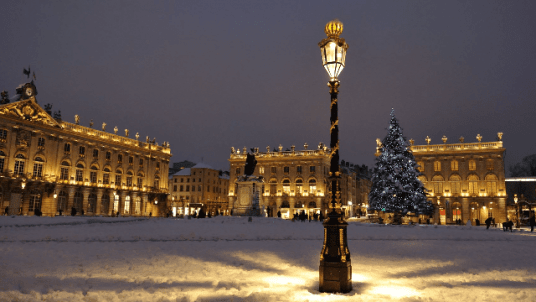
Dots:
pixel 29 91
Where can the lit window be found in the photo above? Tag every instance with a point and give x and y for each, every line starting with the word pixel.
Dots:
pixel 286 186
pixel 79 175
pixel 454 165
pixel 118 179
pixel 455 184
pixel 312 186
pixel 437 182
pixel 93 177
pixel 19 165
pixel 95 153
pixel 299 186
pixel 286 170
pixel 38 167
pixel 491 184
pixel 312 169
pixel 473 184
pixel 421 166
pixel 437 166
pixel 489 164
pixel 472 165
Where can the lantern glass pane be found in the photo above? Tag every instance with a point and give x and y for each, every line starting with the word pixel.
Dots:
pixel 330 51
pixel 323 53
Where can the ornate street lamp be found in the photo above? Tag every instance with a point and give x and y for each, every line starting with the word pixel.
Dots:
pixel 335 265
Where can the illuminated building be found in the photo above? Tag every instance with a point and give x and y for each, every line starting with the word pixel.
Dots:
pixel 51 165
pixel 293 180
pixel 464 180
pixel 200 186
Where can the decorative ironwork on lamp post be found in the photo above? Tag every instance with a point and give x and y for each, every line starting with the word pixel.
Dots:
pixel 335 265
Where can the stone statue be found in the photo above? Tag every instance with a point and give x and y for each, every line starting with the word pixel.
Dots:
pixel 126 132
pixel 103 126
pixel 115 130
pixel 91 124
pixel 137 135
pixel 251 162
pixel 77 119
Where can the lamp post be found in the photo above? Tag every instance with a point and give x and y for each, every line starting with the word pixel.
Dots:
pixel 516 199
pixel 335 266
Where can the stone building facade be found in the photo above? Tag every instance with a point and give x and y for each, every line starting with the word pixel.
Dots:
pixel 293 180
pixel 200 186
pixel 464 180
pixel 51 165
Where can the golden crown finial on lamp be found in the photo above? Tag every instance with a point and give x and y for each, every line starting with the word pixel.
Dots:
pixel 334 28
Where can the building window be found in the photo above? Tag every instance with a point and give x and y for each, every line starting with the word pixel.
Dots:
pixel 312 186
pixel 95 153
pixel 472 165
pixel 118 179
pixel 199 188
pixel 237 171
pixel 489 164
pixel 312 169
pixel 286 186
pixel 127 204
pixel 455 184
pixel 137 206
pixel 108 155
pixel 119 158
pixel 141 162
pixel 175 188
pixel 273 170
pixel 67 148
pixel 299 186
pixel 437 182
pixel 82 150
pixel 41 143
pixel 64 173
pixel 491 184
pixel 208 188
pixel 454 165
pixel 140 182
pixel 188 180
pixel 157 183
pixel 193 188
pixel 187 188
pixel 93 177
pixel 181 188
pixel 19 165
pixel 38 167
pixel 62 201
pixel 3 135
pixel 261 170
pixel 2 158
pixel 437 166
pixel 79 175
pixel 129 181
pixel 286 170
pixel 298 169
pixel 106 178
pixel 116 203
pixel 35 201
pixel 421 166
pixel 473 184
pixel 131 160
pixel 158 165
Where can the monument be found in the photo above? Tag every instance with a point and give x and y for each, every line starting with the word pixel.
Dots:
pixel 249 191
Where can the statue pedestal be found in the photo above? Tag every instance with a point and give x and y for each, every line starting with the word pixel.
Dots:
pixel 249 196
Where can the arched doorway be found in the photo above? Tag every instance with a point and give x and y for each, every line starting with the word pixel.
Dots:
pixel 91 203
pixel 105 203
pixel 62 202
pixel 77 202
pixel 475 211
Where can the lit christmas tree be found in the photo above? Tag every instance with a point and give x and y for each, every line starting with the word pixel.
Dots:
pixel 395 186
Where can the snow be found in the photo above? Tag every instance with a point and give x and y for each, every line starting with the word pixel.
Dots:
pixel 203 166
pixel 184 172
pixel 268 259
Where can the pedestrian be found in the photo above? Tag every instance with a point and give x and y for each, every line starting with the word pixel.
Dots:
pixel 73 211
pixel 477 222
pixel 150 214
pixel 321 217
pixel 6 210
pixel 532 222
pixel 488 222
pixel 278 214
pixel 60 211
pixel 117 215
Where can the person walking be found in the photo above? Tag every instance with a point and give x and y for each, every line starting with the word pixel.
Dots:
pixel 488 222
pixel 532 222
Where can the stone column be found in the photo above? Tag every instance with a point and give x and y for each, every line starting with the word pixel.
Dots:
pixel 71 190
pixel 111 205
pixel 278 203
pixel 85 198
pixel 25 204
pixel 144 204
pixel 100 193
pixel 292 203
pixel 466 210
pixel 501 211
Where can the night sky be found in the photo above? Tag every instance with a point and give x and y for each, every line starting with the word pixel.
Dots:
pixel 209 75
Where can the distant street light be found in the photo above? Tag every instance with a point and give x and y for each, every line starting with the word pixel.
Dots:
pixel 335 264
pixel 516 199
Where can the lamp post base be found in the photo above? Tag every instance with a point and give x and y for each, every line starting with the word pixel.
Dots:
pixel 335 277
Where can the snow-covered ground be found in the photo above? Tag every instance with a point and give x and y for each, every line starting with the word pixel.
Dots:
pixel 231 259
